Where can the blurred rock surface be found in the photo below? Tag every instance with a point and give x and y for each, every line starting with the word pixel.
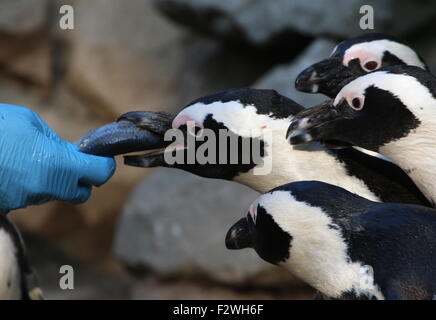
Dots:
pixel 426 46
pixel 22 16
pixel 261 22
pixel 175 224
pixel 145 61
pixel 282 77
pixel 90 283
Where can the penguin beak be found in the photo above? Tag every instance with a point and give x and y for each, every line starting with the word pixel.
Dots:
pixel 238 236
pixel 327 77
pixel 156 122
pixel 132 132
pixel 310 124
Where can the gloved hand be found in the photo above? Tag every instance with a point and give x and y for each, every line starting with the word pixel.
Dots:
pixel 37 166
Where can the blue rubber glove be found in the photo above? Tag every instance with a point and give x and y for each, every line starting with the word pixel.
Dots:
pixel 37 166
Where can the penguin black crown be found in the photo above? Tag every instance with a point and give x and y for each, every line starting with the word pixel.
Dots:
pixel 341 244
pixel 353 58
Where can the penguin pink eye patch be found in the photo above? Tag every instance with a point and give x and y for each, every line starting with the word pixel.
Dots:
pixel 354 99
pixel 193 127
pixel 369 61
pixel 180 121
pixel 252 212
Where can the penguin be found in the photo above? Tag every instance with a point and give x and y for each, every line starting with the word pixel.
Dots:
pixel 391 111
pixel 353 58
pixel 260 118
pixel 343 245
pixel 17 279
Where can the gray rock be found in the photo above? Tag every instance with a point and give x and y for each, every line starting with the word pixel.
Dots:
pixel 260 21
pixel 128 66
pixel 145 62
pixel 22 16
pixel 282 77
pixel 175 223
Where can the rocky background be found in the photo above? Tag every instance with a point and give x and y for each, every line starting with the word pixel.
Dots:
pixel 160 234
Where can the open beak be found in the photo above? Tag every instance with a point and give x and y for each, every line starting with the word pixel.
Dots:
pixel 327 77
pixel 134 131
pixel 308 126
pixel 238 236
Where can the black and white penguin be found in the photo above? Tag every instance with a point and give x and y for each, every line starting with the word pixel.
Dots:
pixel 17 279
pixel 343 245
pixel 353 58
pixel 391 111
pixel 262 117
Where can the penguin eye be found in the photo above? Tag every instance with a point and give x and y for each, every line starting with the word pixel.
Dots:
pixel 194 129
pixel 356 103
pixel 370 65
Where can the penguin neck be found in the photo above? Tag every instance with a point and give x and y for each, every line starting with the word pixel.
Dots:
pixel 319 252
pixel 285 164
pixel 416 155
pixel 327 269
pixel 388 181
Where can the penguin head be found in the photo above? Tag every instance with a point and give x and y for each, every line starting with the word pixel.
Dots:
pixel 234 126
pixel 372 110
pixel 353 58
pixel 279 222
pixel 262 231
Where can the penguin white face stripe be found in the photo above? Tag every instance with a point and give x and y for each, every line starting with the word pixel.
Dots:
pixel 9 270
pixel 318 252
pixel 374 51
pixel 237 117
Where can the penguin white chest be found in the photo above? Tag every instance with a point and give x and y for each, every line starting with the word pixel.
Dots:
pixel 416 155
pixel 318 253
pixel 9 270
